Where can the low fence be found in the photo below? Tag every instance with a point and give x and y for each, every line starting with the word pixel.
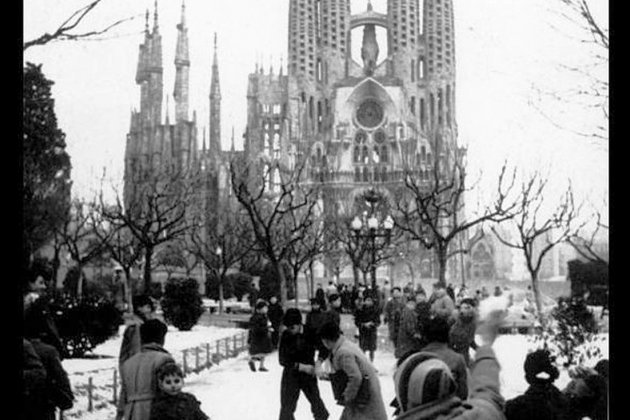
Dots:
pixel 103 385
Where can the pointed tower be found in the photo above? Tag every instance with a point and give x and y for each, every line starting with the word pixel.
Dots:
pixel 215 108
pixel 155 70
pixel 182 69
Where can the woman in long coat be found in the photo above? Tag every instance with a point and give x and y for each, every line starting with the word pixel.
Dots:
pixel 367 319
pixel 347 357
pixel 259 337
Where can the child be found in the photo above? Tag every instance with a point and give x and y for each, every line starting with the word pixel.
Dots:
pixel 259 339
pixel 296 354
pixel 170 402
pixel 367 319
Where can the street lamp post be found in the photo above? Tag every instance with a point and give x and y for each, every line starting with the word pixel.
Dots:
pixel 369 228
pixel 219 253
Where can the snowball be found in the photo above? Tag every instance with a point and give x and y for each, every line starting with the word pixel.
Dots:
pixel 491 304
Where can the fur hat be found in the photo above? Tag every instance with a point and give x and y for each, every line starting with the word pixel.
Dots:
pixel 422 378
pixel 539 367
pixel 292 316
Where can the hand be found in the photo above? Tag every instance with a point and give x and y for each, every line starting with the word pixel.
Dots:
pixel 309 369
pixel 488 328
pixel 318 371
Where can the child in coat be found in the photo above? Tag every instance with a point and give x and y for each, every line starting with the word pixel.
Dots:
pixel 171 403
pixel 259 338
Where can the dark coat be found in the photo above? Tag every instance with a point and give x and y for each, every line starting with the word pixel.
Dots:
pixel 58 391
pixel 294 349
pixel 320 295
pixel 348 357
pixel 40 309
pixel 462 336
pixel 139 382
pixel 392 311
pixel 314 322
pixel 183 406
pixel 408 340
pixel 275 315
pixel 34 402
pixel 333 316
pixel 259 339
pixel 485 402
pixel 423 310
pixel 456 364
pixel 367 333
pixel 539 402
pixel 131 339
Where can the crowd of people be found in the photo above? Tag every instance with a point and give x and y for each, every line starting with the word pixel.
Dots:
pixel 435 377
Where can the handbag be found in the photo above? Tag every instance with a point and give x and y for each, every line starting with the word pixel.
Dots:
pixel 339 381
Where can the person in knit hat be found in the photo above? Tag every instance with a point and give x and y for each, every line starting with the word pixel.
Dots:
pixel 542 400
pixel 426 388
pixel 297 356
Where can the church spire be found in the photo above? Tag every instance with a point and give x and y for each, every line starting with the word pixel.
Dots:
pixel 215 107
pixel 155 17
pixel 182 69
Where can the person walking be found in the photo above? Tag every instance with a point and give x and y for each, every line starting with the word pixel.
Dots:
pixel 334 311
pixel 259 339
pixel 408 340
pixel 542 400
pixel 315 319
pixel 426 388
pixel 442 304
pixel 139 373
pixel 359 378
pixel 57 391
pixel 320 295
pixel 296 355
pixel 423 312
pixel 392 312
pixel 275 317
pixel 143 310
pixel 462 334
pixel 367 319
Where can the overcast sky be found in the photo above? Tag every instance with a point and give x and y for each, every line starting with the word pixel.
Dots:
pixel 506 52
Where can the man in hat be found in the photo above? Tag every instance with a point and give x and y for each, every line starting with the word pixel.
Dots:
pixel 392 312
pixel 542 400
pixel 296 355
pixel 426 389
pixel 315 319
pixel 462 333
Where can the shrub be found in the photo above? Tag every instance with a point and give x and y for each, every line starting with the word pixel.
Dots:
pixel 270 283
pixel 181 305
pixel 572 333
pixel 212 287
pixel 84 323
pixel 241 284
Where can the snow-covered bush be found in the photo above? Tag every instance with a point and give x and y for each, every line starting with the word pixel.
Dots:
pixel 571 334
pixel 84 323
pixel 182 305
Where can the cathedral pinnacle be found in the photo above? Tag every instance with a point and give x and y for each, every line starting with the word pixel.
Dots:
pixel 369 6
pixel 155 17
pixel 146 22
pixel 183 18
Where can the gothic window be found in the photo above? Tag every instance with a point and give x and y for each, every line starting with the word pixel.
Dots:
pixel 357 174
pixel 376 158
pixel 432 110
pixel 441 106
pixel 370 113
pixel 448 104
pixel 421 68
pixel 383 174
pixel 417 159
pixel 319 116
pixel 319 70
pixel 423 153
pixel 413 105
pixel 423 112
pixel 360 137
pixel 376 175
pixel 366 174
pixel 413 70
pixel 384 155
pixel 357 154
pixel 379 136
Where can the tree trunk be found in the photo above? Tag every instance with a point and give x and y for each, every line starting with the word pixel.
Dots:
pixel 283 284
pixel 537 297
pixel 80 282
pixel 128 289
pixel 355 272
pixel 312 278
pixel 147 269
pixel 295 286
pixel 441 255
pixel 55 267
pixel 220 294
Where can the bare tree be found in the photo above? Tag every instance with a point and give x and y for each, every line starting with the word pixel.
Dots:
pixel 431 208
pixel 158 214
pixel 587 244
pixel 219 242
pixel 537 233
pixel 66 31
pixel 279 216
pixel 80 238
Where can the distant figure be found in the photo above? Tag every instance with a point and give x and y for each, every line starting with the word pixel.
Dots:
pixel 320 295
pixel 331 288
pixel 348 359
pixel 296 355
pixel 367 320
pixel 171 402
pixel 259 339
pixel 498 291
pixel 275 317
pixel 450 291
pixel 254 293
pixel 143 310
pixel 408 340
pixel 542 400
pixel 139 373
pixel 334 312
pixel 346 299
pixel 315 319
pixel 484 293
pixel 392 311
pixel 423 313
pixel 442 304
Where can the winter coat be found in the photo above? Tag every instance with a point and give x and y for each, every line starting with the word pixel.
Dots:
pixel 462 336
pixel 346 356
pixel 275 315
pixel 294 349
pixel 540 402
pixel 183 406
pixel 333 316
pixel 443 306
pixel 392 311
pixel 485 402
pixel 314 322
pixel 423 311
pixel 408 340
pixel 367 334
pixel 40 309
pixel 320 295
pixel 259 339
pixel 456 364
pixel 131 339
pixel 58 391
pixel 139 382
pixel 34 401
